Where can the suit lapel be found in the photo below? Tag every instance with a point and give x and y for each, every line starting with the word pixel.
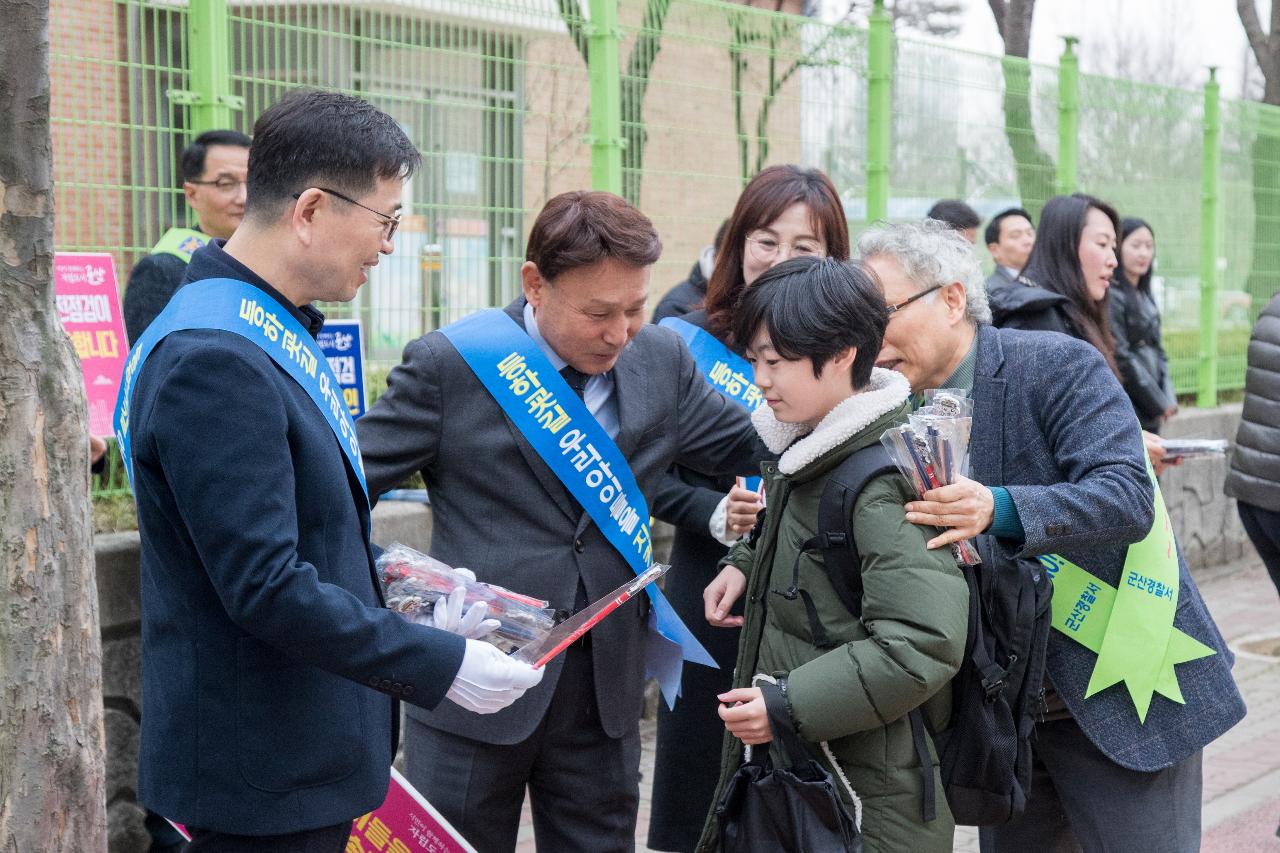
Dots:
pixel 987 447
pixel 628 390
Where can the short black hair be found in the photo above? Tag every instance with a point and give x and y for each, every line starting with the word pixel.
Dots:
pixel 955 213
pixel 993 227
pixel 312 138
pixel 816 308
pixel 193 155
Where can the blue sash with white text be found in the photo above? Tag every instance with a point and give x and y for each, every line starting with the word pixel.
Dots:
pixel 584 458
pixel 724 370
pixel 229 305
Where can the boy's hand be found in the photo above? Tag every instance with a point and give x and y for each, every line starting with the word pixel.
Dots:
pixel 747 720
pixel 719 596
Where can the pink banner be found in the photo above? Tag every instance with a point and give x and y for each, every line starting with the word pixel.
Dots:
pixel 404 823
pixel 89 308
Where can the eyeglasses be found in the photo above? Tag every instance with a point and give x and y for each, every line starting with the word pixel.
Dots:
pixel 389 223
pixel 898 306
pixel 226 186
pixel 765 249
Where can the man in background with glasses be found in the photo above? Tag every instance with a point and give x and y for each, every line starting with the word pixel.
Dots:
pixel 214 169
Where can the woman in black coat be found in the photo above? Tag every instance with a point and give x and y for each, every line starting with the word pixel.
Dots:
pixel 1064 285
pixel 1135 324
pixel 784 212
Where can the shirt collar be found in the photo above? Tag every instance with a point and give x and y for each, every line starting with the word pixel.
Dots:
pixel 531 326
pixel 962 377
pixel 215 256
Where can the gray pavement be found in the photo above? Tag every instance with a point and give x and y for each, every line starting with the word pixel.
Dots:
pixel 1241 769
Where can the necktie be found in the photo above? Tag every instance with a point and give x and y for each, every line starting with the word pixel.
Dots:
pixel 577 380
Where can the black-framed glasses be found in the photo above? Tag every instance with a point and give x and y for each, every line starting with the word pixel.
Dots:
pixel 223 185
pixel 389 223
pixel 898 306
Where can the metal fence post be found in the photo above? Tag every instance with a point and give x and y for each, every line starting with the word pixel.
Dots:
pixel 606 140
pixel 1210 241
pixel 1068 116
pixel 879 111
pixel 209 68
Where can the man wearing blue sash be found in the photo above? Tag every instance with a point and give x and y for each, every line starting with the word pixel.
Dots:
pixel 542 431
pixel 1058 469
pixel 271 667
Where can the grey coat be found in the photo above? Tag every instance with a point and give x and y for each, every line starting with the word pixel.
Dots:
pixel 1255 465
pixel 1066 445
pixel 498 509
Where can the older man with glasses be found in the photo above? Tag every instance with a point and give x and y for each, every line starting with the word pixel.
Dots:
pixel 1058 468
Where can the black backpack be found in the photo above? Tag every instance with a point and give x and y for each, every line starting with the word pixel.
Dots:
pixel 985 751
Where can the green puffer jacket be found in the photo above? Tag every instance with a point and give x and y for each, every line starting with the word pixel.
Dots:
pixel 853 697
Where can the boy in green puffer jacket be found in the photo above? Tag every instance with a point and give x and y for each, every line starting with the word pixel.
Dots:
pixel 812 330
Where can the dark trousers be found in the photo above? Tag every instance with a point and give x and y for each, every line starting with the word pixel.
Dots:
pixel 584 786
pixel 1263 527
pixel 327 839
pixel 1082 801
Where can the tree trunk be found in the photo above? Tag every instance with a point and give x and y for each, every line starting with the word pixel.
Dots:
pixel 1035 168
pixel 635 82
pixel 51 733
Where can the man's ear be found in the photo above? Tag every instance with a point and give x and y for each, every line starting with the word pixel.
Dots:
pixel 534 284
pixel 310 204
pixel 953 295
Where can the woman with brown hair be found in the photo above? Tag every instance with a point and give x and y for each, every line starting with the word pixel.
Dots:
pixel 784 212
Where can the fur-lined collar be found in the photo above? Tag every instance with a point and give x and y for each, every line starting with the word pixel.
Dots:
pixel 886 391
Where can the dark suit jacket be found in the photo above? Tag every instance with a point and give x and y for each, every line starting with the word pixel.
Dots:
pixel 500 511
pixel 999 278
pixel 152 283
pixel 263 626
pixel 1066 445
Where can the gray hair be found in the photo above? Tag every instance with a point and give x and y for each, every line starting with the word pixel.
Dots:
pixel 931 253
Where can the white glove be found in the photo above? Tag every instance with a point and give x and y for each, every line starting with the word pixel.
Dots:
pixel 447 614
pixel 488 680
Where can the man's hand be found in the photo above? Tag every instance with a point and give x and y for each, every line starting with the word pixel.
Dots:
pixel 1161 461
pixel 97 448
pixel 447 615
pixel 719 596
pixel 965 506
pixel 747 720
pixel 488 680
pixel 742 509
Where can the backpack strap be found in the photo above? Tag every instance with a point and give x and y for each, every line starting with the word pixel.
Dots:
pixel 834 538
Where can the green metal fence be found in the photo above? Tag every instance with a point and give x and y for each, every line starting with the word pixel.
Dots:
pixel 674 103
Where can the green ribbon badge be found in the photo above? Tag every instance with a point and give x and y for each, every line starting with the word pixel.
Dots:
pixel 1130 629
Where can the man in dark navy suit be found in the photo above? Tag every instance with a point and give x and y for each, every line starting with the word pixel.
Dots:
pixel 271 667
